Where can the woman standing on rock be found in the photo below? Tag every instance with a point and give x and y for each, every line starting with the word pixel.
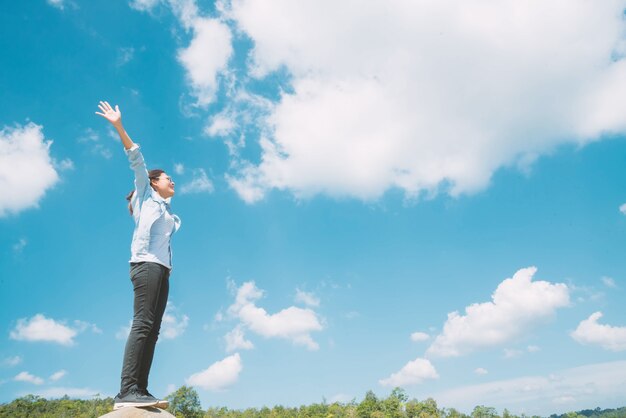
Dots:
pixel 150 265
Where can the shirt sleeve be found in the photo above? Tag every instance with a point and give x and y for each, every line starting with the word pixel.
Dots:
pixel 138 165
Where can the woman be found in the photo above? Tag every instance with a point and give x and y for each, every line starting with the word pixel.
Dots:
pixel 150 265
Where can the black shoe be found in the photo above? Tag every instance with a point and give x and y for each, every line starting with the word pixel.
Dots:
pixel 161 403
pixel 134 397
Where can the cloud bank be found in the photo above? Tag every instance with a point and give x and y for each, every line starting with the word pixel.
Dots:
pixel 174 324
pixel 518 304
pixel 199 184
pixel 565 390
pixel 26 168
pixel 42 329
pixel 292 323
pixel 427 96
pixel 414 372
pixel 29 378
pixel 219 375
pixel 589 331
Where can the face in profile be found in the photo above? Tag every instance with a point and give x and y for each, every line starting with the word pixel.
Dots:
pixel 164 186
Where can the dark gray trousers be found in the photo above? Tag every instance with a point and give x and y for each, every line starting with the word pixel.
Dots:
pixel 151 288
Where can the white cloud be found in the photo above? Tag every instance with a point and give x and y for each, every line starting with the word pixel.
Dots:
pixel 92 138
pixel 307 298
pixel 512 353
pixel 425 96
pixel 232 124
pixel 609 282
pixel 26 168
pixel 59 392
pixel 64 165
pixel 585 293
pixel 40 328
pixel 199 184
pixel 563 400
pixel 81 326
pixel 124 331
pixel 19 246
pixel 173 324
pixel 186 11
pixel 292 323
pixel 480 371
pixel 59 4
pixel 589 331
pixel 58 375
pixel 518 304
pixel 340 398
pixel 623 208
pixel 111 133
pixel 414 372
pixel 219 375
pixel 29 378
pixel 247 187
pixel 595 384
pixel 143 5
pixel 419 336
pixel 12 361
pixel 236 340
pixel 221 124
pixel 206 56
pixel 352 315
pixel 124 56
pixel 179 168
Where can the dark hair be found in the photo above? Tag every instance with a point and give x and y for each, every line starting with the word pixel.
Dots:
pixel 152 175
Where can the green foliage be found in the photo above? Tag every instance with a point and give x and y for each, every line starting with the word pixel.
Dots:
pixel 370 406
pixel 185 403
pixel 424 409
pixel 393 406
pixel 484 412
pixel 453 413
pixel 31 406
pixel 595 413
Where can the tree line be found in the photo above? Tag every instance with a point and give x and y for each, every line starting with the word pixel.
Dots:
pixel 185 403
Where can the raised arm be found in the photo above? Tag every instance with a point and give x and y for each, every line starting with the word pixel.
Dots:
pixel 135 158
pixel 115 117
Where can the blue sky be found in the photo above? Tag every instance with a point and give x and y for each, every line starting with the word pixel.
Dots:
pixel 426 195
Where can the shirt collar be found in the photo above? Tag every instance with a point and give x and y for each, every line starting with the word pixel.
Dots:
pixel 158 198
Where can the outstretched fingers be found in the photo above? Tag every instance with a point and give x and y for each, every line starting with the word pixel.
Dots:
pixel 107 112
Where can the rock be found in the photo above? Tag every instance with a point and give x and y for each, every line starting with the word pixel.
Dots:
pixel 132 412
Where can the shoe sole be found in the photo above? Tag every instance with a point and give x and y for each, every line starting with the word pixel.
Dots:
pixel 121 405
pixel 162 404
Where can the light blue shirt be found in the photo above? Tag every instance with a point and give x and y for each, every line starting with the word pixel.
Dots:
pixel 154 221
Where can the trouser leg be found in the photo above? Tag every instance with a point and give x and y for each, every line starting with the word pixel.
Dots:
pixel 148 355
pixel 147 279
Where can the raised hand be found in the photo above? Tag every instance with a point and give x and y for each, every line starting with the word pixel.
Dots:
pixel 112 115
pixel 115 117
